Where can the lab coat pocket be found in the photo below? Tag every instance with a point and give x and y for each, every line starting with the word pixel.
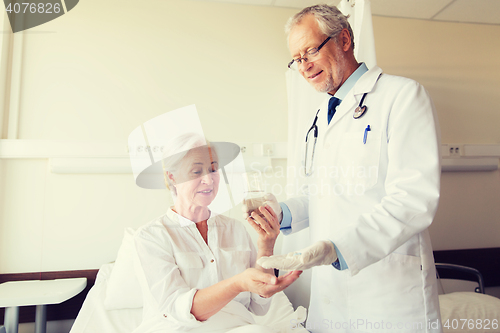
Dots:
pixel 358 157
pixel 400 301
pixel 189 264
pixel 404 259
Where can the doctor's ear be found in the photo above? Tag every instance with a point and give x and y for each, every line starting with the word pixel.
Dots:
pixel 345 40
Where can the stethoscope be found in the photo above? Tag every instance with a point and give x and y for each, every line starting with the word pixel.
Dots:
pixel 358 113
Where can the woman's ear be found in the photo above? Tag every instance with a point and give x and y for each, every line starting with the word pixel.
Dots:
pixel 169 179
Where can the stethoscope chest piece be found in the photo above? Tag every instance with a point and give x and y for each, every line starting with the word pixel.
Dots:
pixel 359 111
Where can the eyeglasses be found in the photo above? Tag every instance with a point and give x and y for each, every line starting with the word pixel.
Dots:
pixel 312 53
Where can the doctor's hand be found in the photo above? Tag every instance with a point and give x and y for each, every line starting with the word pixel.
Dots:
pixel 320 253
pixel 267 226
pixel 269 200
pixel 264 284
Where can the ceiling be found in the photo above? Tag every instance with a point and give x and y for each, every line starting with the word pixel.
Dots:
pixel 466 11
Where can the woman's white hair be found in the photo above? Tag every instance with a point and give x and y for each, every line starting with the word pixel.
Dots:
pixel 175 150
pixel 330 20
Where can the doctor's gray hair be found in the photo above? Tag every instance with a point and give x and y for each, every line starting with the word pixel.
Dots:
pixel 175 150
pixel 330 20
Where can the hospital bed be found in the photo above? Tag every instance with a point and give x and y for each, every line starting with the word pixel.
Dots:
pixel 121 312
pixel 460 310
pixel 114 303
pixel 465 310
pixel 99 314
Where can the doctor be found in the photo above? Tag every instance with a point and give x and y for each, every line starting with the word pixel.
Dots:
pixel 373 188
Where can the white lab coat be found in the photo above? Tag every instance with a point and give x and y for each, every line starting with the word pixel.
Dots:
pixel 375 200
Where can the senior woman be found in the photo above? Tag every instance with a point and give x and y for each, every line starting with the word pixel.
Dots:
pixel 195 267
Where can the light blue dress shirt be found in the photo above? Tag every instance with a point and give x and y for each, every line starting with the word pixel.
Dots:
pixel 351 81
pixel 286 222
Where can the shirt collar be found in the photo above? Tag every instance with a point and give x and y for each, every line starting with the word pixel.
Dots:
pixel 351 81
pixel 183 222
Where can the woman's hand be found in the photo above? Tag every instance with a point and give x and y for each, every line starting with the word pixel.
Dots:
pixel 267 229
pixel 208 301
pixel 264 284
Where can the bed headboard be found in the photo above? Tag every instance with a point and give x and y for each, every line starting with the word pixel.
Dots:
pixel 66 310
pixel 486 261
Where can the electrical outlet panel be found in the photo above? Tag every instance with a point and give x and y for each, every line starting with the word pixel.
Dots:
pixel 455 150
pixel 268 149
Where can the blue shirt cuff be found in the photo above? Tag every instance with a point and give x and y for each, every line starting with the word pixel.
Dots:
pixel 286 221
pixel 340 264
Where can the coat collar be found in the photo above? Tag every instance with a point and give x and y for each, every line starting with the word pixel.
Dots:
pixel 365 84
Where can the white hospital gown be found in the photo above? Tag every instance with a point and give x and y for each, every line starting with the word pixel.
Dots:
pixel 173 262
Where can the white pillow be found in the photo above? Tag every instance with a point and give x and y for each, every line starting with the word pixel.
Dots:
pixel 469 312
pixel 94 318
pixel 123 289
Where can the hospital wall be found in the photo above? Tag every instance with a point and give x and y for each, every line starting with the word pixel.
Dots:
pixel 98 72
pixel 457 65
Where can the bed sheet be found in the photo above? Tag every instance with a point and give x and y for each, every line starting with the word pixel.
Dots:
pixel 93 317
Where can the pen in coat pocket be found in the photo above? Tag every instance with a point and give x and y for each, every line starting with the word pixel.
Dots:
pixel 366 133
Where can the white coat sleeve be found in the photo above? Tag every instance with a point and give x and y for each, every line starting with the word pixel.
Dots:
pixel 163 280
pixel 411 185
pixel 299 211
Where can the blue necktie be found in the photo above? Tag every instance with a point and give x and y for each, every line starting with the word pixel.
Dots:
pixel 332 105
